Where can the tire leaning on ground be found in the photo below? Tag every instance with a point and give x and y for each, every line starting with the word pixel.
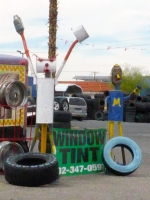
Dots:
pixel 31 169
pixel 118 169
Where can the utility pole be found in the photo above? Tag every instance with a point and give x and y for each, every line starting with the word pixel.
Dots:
pixel 94 73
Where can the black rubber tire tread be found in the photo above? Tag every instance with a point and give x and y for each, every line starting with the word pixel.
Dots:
pixel 98 96
pixel 98 115
pixel 84 96
pixel 112 166
pixel 62 125
pixel 62 116
pixel 101 102
pixel 95 104
pixel 139 98
pixel 31 169
pixel 143 118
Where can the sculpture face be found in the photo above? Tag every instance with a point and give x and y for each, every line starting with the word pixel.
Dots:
pixel 116 75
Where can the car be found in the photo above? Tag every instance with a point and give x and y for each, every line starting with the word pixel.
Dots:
pixel 77 107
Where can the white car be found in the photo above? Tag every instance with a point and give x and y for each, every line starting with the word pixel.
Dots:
pixel 77 107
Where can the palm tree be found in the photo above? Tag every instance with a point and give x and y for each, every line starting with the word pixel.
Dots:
pixel 52 28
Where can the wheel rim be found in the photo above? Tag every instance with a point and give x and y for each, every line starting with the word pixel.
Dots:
pixel 56 105
pixel 65 106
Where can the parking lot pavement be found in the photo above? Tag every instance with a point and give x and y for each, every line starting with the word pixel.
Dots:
pixel 95 186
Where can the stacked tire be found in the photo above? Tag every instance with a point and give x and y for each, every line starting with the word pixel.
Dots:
pixel 62 119
pixel 129 112
pixel 143 110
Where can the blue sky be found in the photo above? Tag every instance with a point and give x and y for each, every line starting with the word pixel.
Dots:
pixel 119 32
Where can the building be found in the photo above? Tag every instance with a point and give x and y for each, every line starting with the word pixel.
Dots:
pixel 90 88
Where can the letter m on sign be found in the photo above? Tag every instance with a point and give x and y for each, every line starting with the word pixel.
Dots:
pixel 116 102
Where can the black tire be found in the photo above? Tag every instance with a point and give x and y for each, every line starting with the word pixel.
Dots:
pixel 31 169
pixel 62 125
pixel 56 105
pixel 64 105
pixel 118 169
pixel 129 112
pixel 89 104
pixel 61 116
pixel 101 116
pixel 98 115
pixel 98 96
pixel 95 107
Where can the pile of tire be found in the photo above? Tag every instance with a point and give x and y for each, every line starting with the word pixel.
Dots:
pixel 62 119
pixel 137 109
pixel 143 109
pixel 93 105
pixel 129 112
pixel 99 112
pixel 62 116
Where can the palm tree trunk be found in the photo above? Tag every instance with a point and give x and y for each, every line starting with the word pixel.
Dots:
pixel 52 28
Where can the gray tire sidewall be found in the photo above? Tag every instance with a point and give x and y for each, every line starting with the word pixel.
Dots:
pixel 122 141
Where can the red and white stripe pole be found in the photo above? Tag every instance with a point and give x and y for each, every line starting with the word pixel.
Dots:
pixel 65 59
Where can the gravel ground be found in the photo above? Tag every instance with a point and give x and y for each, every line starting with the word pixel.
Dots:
pixel 96 186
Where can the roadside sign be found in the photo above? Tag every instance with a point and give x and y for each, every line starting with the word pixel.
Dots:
pixel 79 151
